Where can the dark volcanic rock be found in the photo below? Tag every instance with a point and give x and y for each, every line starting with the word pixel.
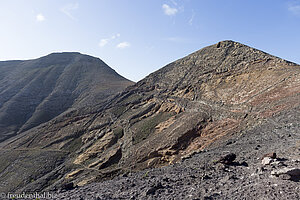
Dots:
pixel 227 159
pixel 68 186
pixel 152 189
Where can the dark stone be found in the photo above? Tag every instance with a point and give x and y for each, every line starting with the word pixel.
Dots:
pixel 152 190
pixel 244 163
pixel 227 159
pixel 206 177
pixel 68 186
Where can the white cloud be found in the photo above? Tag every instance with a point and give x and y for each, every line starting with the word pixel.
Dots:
pixel 123 45
pixel 294 8
pixel 105 41
pixel 40 18
pixel 67 9
pixel 169 10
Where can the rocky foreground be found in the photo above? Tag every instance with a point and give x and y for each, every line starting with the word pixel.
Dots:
pixel 252 175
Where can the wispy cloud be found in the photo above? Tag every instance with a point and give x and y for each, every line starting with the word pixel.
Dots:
pixel 115 36
pixel 40 17
pixel 105 41
pixel 174 2
pixel 169 10
pixel 179 40
pixel 175 39
pixel 123 45
pixel 294 8
pixel 69 8
pixel 192 18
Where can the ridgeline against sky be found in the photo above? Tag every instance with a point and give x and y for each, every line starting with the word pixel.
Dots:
pixel 136 37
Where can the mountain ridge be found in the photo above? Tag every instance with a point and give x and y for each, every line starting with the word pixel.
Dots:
pixel 37 85
pixel 195 104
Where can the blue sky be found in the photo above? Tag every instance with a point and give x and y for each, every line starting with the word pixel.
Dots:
pixel 137 37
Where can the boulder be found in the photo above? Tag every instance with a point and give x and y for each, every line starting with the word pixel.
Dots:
pixel 227 159
pixel 270 155
pixel 267 161
pixel 294 173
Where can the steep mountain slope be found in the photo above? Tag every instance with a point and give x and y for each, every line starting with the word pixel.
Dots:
pixel 34 91
pixel 198 102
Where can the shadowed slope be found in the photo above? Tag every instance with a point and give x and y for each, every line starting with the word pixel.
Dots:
pixel 34 91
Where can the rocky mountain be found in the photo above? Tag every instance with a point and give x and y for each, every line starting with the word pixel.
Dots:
pixel 35 91
pixel 224 98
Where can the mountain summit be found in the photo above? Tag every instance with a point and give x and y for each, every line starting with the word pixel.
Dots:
pixel 223 57
pixel 35 91
pixel 227 93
